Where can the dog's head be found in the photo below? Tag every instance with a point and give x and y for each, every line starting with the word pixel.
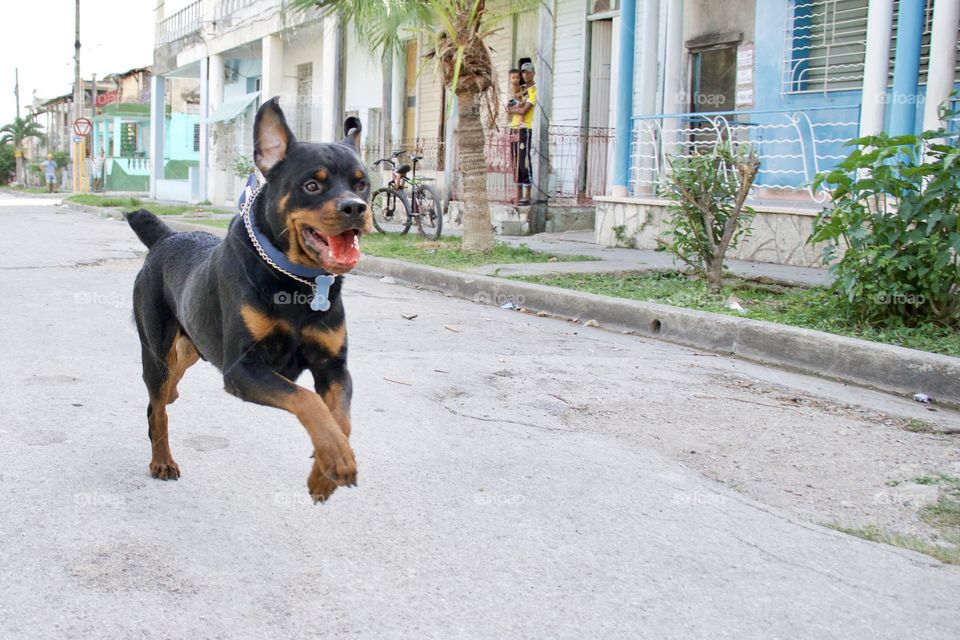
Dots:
pixel 317 201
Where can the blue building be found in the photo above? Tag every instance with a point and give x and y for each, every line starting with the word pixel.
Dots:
pixel 797 79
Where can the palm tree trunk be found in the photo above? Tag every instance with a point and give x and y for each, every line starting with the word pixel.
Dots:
pixel 21 178
pixel 477 229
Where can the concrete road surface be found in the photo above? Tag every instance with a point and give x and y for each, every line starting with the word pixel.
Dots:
pixel 500 495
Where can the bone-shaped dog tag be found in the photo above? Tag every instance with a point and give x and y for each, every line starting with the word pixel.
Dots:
pixel 321 293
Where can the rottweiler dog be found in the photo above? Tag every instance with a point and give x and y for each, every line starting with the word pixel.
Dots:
pixel 264 304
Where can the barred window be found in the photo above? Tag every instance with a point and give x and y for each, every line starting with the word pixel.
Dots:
pixel 825 44
pixel 196 137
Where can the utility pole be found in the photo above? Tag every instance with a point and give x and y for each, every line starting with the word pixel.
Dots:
pixel 77 87
pixel 16 88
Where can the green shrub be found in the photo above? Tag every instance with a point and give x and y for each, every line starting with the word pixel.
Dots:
pixel 242 166
pixel 707 212
pixel 8 163
pixel 896 210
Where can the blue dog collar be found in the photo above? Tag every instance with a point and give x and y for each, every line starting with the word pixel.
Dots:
pixel 317 279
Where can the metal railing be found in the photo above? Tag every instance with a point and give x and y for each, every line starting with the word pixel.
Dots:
pixel 431 149
pixel 224 13
pixel 578 162
pixel 180 24
pixel 793 145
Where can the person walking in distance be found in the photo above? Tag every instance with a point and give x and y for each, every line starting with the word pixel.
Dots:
pixel 50 172
pixel 98 161
pixel 525 110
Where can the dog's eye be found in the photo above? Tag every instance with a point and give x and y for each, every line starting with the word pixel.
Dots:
pixel 361 186
pixel 311 186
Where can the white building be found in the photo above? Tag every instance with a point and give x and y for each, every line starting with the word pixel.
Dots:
pixel 242 52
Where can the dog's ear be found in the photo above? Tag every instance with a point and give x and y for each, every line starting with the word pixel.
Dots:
pixel 351 131
pixel 272 137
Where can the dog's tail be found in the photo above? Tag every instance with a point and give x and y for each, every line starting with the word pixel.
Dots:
pixel 148 227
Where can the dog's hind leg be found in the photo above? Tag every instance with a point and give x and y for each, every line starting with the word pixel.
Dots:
pixel 165 359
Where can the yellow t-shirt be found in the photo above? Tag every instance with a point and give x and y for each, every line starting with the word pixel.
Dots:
pixel 532 99
pixel 515 118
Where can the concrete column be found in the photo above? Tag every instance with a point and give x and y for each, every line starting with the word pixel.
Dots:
pixel 543 65
pixel 94 139
pixel 271 83
pixel 673 86
pixel 204 114
pixel 647 76
pixel 943 57
pixel 117 138
pixel 876 68
pixel 906 67
pixel 623 123
pixel 216 177
pixel 158 99
pixel 331 64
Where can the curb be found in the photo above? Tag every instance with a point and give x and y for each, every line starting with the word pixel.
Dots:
pixel 888 368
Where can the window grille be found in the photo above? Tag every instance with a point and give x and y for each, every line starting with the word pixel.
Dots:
pixel 825 44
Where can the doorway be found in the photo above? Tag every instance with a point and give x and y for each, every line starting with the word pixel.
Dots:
pixel 410 92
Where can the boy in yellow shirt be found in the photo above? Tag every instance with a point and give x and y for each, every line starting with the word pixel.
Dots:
pixel 522 120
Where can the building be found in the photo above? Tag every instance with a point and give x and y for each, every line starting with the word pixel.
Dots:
pixel 238 53
pixel 796 79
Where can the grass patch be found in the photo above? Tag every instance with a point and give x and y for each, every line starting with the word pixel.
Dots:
pixel 446 252
pixel 220 223
pixel 810 308
pixel 38 190
pixel 944 513
pixel 873 533
pixel 93 200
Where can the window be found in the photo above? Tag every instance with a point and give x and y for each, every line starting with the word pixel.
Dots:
pixel 713 82
pixel 196 137
pixel 826 41
pixel 129 134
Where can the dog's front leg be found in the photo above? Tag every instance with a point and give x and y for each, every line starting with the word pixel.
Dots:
pixel 334 463
pixel 334 384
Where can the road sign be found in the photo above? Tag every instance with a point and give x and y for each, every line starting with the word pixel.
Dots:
pixel 82 126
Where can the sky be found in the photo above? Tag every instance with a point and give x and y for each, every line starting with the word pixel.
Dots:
pixel 115 35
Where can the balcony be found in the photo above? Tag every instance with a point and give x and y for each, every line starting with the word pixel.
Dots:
pixel 180 25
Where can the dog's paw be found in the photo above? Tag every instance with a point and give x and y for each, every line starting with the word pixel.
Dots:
pixel 330 472
pixel 321 487
pixel 164 470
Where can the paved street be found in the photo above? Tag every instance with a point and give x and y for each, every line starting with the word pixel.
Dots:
pixel 505 491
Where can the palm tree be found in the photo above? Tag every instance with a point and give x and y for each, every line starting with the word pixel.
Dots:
pixel 16 133
pixel 457 31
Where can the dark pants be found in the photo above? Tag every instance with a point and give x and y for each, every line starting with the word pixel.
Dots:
pixel 520 153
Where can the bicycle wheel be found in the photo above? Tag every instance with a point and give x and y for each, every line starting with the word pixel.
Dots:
pixel 430 220
pixel 390 211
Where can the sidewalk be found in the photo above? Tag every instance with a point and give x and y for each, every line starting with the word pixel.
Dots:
pixel 617 259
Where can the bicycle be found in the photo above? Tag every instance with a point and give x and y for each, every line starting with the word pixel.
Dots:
pixel 423 210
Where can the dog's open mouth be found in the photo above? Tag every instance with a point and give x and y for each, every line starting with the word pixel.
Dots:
pixel 337 254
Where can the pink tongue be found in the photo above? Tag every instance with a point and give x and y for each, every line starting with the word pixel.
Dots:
pixel 343 249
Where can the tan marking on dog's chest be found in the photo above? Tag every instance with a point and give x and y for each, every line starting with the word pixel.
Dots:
pixel 330 340
pixel 259 324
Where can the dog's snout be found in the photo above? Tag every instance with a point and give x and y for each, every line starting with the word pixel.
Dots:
pixel 353 207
